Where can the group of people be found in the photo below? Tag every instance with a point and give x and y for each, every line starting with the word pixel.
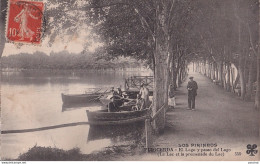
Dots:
pixel 141 102
pixel 117 92
pixel 116 100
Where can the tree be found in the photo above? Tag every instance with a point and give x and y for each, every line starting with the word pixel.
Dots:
pixel 257 97
pixel 3 10
pixel 226 31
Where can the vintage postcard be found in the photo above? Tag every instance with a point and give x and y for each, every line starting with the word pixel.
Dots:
pixel 130 80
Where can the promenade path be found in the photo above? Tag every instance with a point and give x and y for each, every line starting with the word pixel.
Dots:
pixel 220 118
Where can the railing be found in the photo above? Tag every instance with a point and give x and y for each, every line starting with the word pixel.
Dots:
pixel 148 127
pixel 135 82
pixel 157 113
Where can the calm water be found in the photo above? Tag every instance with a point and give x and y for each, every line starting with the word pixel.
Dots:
pixel 32 99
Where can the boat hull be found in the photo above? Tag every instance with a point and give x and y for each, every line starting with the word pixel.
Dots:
pixel 103 117
pixel 80 98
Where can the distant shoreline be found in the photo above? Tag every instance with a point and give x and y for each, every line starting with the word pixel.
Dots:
pixel 77 70
pixel 40 70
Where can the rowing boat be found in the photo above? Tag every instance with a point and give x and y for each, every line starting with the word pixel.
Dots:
pixel 80 98
pixel 83 98
pixel 103 117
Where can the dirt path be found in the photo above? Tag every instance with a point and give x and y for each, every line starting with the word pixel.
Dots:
pixel 218 115
pixel 220 118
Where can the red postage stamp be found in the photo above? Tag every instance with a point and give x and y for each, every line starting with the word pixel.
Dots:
pixel 24 21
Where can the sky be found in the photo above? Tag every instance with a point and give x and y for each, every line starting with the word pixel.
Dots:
pixel 72 42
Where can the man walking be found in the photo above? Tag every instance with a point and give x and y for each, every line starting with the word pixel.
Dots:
pixel 192 93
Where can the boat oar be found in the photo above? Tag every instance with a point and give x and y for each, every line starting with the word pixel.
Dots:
pixel 94 99
pixel 130 100
pixel 95 91
pixel 150 106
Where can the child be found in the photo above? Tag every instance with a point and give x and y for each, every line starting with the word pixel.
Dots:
pixel 171 100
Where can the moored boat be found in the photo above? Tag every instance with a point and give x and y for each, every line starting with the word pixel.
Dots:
pixel 103 117
pixel 83 98
pixel 80 98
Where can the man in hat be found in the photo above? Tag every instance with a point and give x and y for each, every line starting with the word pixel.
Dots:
pixel 119 92
pixel 192 93
pixel 112 105
pixel 112 90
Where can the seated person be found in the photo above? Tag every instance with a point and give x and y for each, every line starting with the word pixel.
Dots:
pixel 119 92
pixel 112 105
pixel 112 91
pixel 115 93
pixel 117 99
pixel 139 103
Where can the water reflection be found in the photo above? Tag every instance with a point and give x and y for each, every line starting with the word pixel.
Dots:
pixel 117 133
pixel 33 99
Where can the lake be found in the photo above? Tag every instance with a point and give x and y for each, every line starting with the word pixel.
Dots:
pixel 32 99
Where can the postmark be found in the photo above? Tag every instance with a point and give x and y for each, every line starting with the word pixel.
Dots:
pixel 25 22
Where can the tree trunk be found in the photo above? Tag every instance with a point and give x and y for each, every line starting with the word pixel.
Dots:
pixel 199 64
pixel 180 76
pixel 205 69
pixel 184 71
pixel 221 74
pixel 171 71
pixel 178 72
pixel 228 85
pixel 217 72
pixel 175 75
pixel 214 71
pixel 232 78
pixel 175 79
pixel 3 9
pixel 210 70
pixel 242 76
pixel 257 96
pixel 234 84
pixel 162 60
pixel 250 80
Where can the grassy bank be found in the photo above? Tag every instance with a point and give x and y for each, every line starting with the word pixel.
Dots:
pixel 38 153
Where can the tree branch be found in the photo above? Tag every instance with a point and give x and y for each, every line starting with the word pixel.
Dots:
pixel 102 5
pixel 250 39
pixel 145 24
